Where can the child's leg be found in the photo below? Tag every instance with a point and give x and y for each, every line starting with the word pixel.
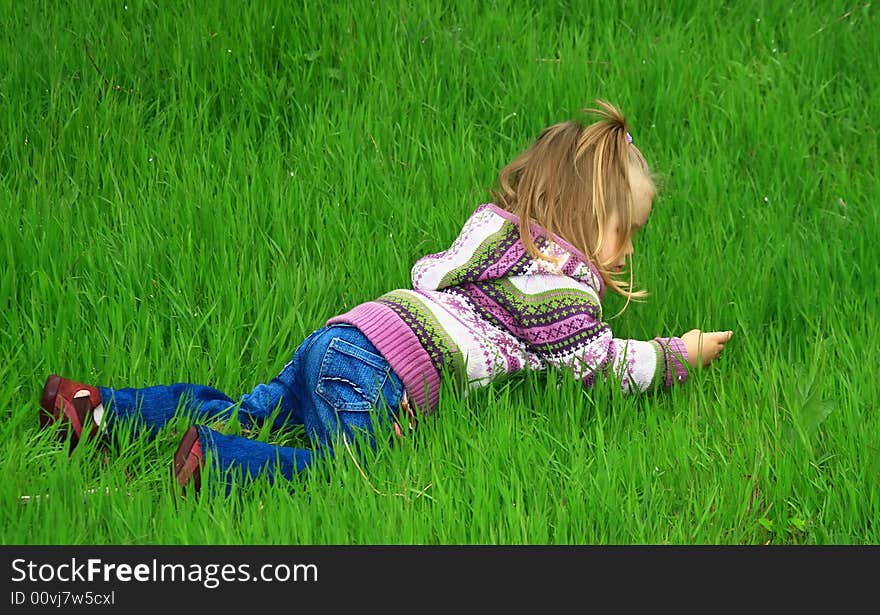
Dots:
pixel 237 457
pixel 344 387
pixel 151 408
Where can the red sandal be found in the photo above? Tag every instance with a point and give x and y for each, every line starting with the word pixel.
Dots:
pixel 188 461
pixel 71 403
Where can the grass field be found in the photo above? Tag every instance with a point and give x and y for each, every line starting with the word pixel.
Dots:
pixel 190 188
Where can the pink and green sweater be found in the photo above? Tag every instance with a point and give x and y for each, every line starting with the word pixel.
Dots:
pixel 484 308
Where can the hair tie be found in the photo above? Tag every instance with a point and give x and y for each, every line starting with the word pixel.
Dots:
pixel 629 138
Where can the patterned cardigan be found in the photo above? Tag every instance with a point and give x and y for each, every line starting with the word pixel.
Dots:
pixel 484 308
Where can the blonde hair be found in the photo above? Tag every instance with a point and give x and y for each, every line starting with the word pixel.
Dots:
pixel 570 181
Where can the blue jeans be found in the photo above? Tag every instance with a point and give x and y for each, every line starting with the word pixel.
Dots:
pixel 336 384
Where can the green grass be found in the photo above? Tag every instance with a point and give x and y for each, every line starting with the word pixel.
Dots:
pixel 189 189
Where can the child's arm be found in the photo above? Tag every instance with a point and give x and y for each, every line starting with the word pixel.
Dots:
pixel 661 362
pixel 560 321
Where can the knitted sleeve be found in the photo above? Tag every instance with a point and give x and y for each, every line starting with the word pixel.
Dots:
pixel 646 365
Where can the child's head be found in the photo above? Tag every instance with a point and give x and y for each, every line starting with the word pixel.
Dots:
pixel 588 184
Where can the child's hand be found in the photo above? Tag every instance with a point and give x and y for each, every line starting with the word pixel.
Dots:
pixel 704 347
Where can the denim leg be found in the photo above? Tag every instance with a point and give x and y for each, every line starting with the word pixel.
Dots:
pixel 151 408
pixel 343 386
pixel 244 458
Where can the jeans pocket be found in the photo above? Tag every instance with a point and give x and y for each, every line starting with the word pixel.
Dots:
pixel 351 378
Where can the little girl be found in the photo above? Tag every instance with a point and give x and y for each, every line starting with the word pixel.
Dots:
pixel 519 288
